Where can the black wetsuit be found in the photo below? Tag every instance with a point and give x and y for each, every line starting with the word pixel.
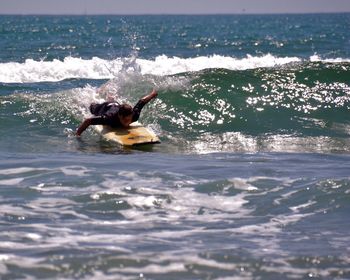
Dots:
pixel 107 113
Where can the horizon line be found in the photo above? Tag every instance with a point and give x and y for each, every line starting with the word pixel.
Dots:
pixel 171 14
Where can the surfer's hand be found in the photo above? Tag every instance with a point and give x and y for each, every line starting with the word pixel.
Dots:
pixel 86 123
pixel 154 94
pixel 150 96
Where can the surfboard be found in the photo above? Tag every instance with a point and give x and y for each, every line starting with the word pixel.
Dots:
pixel 135 134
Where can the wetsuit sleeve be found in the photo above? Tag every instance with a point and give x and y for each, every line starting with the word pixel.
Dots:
pixel 137 110
pixel 99 121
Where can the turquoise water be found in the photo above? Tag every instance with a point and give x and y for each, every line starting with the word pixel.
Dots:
pixel 251 180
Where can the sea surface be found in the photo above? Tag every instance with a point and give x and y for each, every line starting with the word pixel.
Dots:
pixel 252 176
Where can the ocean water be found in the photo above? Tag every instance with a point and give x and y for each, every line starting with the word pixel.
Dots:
pixel 252 176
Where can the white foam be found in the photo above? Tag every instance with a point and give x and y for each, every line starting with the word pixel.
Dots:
pixel 11 182
pixel 317 58
pixel 97 68
pixel 56 70
pixel 242 184
pixel 19 170
pixel 33 236
pixel 4 257
pixel 79 171
pixel 164 65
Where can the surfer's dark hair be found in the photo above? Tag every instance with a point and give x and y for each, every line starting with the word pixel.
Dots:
pixel 125 110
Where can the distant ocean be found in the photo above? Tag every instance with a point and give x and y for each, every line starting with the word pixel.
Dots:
pixel 252 176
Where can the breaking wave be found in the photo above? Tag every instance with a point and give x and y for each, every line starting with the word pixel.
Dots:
pixel 96 68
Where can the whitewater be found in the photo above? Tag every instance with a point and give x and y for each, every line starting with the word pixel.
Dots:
pixel 97 68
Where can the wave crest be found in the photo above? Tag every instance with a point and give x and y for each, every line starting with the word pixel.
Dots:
pixel 32 71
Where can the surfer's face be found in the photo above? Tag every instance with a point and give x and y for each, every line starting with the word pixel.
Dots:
pixel 125 121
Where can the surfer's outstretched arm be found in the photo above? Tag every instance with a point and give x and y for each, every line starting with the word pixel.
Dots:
pixel 142 102
pixel 85 124
pixel 150 96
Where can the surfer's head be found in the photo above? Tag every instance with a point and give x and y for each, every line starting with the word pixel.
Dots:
pixel 125 114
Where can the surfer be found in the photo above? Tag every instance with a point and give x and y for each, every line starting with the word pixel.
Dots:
pixel 114 114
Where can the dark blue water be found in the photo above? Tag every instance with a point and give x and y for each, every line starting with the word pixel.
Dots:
pixel 251 180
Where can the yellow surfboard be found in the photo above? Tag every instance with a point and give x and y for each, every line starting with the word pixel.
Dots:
pixel 134 135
